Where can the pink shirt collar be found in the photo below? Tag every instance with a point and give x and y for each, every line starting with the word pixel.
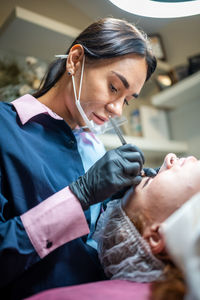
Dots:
pixel 28 107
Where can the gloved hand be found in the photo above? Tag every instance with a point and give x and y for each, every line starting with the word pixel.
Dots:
pixel 157 170
pixel 117 169
pixel 150 172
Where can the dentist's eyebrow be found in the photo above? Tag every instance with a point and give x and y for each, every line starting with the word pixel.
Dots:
pixel 125 82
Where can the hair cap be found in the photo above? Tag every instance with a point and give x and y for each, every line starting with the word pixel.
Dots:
pixel 123 252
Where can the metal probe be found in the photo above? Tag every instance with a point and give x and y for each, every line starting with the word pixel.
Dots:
pixel 119 134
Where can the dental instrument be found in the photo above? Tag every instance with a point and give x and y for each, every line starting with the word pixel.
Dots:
pixel 122 139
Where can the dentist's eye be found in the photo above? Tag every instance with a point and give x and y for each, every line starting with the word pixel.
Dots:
pixel 126 102
pixel 113 89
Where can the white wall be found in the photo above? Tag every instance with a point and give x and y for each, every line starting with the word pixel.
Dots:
pixel 185 125
pixel 59 10
pixel 181 39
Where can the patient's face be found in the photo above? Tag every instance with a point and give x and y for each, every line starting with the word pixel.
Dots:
pixel 176 182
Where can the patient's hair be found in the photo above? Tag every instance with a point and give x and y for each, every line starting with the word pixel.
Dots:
pixel 124 254
pixel 173 287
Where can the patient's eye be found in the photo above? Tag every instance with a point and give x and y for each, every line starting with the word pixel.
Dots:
pixel 146 182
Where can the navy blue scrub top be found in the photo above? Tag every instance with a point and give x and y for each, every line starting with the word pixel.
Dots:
pixel 30 156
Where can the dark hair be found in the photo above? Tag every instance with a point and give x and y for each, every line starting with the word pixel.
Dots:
pixel 106 38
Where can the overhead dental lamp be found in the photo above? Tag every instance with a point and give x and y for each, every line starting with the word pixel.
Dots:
pixel 160 8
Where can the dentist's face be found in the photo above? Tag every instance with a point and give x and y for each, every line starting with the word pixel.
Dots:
pixel 108 85
pixel 177 181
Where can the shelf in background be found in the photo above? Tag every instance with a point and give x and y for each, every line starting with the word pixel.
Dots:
pixel 163 66
pixel 185 90
pixel 151 148
pixel 27 33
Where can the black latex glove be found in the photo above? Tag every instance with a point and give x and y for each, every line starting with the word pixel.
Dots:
pixel 150 172
pixel 157 170
pixel 117 169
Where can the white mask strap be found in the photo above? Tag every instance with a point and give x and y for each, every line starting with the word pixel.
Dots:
pixel 89 123
pixel 81 79
pixel 80 87
pixel 62 56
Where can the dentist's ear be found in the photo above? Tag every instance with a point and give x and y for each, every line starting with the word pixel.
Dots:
pixel 155 239
pixel 74 59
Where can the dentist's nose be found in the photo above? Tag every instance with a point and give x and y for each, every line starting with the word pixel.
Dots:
pixel 115 108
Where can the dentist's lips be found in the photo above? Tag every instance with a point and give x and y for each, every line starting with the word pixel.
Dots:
pixel 98 119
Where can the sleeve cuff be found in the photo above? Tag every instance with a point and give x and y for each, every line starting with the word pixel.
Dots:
pixel 54 222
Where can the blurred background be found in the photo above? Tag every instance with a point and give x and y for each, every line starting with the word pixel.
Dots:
pixel 164 119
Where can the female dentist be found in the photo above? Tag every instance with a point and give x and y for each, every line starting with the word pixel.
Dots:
pixel 47 143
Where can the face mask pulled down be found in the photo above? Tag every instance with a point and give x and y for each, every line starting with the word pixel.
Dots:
pixel 90 124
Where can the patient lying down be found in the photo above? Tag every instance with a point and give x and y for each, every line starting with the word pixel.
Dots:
pixel 130 243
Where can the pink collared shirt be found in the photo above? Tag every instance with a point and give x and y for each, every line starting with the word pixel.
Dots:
pixel 59 218
pixel 100 290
